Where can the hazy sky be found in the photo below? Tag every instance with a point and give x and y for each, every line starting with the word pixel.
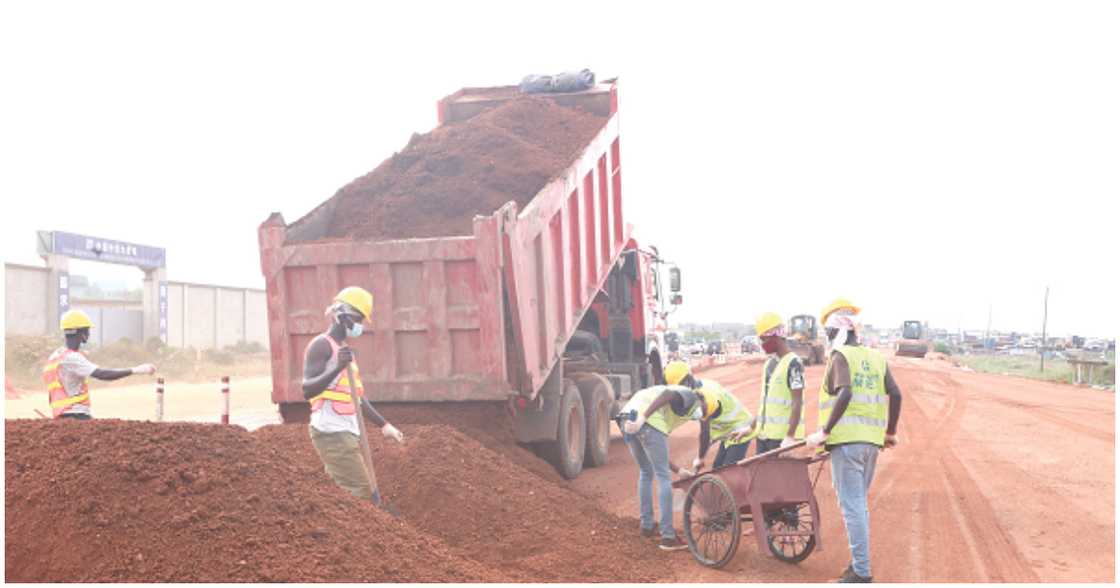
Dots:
pixel 923 159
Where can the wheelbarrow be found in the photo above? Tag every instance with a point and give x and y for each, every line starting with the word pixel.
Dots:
pixel 770 490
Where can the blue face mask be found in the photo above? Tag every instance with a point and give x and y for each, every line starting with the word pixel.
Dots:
pixel 355 330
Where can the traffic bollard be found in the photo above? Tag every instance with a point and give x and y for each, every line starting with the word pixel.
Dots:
pixel 225 400
pixel 159 400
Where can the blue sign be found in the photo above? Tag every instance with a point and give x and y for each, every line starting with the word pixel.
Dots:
pixel 163 312
pixel 103 250
pixel 63 292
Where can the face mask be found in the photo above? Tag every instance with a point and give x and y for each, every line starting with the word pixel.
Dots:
pixel 355 330
pixel 770 345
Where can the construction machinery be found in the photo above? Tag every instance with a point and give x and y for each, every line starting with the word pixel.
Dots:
pixel 913 341
pixel 554 307
pixel 804 340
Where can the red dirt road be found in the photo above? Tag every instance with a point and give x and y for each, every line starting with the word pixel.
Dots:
pixel 997 479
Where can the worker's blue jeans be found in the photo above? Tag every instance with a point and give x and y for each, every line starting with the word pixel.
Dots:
pixel 650 449
pixel 853 467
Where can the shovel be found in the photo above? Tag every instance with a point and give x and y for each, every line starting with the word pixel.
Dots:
pixel 363 438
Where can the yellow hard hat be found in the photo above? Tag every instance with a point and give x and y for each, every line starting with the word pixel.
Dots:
pixel 710 404
pixel 836 305
pixel 359 298
pixel 766 321
pixel 675 371
pixel 74 319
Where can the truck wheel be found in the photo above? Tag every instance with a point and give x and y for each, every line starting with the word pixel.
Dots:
pixel 597 398
pixel 295 412
pixel 566 453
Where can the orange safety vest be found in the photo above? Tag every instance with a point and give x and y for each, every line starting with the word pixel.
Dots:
pixel 52 377
pixel 338 393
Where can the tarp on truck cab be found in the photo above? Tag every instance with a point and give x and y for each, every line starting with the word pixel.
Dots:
pixel 437 184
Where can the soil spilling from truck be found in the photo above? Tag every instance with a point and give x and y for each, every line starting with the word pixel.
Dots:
pixel 437 184
pixel 113 501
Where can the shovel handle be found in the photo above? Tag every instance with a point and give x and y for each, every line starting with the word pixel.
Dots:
pixel 363 437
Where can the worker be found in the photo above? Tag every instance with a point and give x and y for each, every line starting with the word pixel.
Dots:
pixel 334 424
pixel 68 370
pixel 781 406
pixel 658 410
pixel 859 408
pixel 723 419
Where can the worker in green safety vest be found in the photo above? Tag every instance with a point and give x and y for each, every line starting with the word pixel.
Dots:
pixel 725 421
pixel 658 411
pixel 781 408
pixel 859 408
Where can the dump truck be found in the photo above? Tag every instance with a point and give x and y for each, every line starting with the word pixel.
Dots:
pixel 554 308
pixel 913 341
pixel 803 339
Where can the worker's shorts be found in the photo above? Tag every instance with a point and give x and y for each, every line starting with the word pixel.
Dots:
pixel 342 459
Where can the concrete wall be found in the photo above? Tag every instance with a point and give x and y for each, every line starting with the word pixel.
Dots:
pixel 26 299
pixel 203 316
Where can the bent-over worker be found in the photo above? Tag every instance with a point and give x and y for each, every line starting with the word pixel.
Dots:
pixel 723 418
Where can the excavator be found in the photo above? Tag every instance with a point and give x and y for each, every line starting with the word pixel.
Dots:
pixel 913 342
pixel 803 339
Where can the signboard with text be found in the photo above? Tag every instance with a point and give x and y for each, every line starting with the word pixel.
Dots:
pixel 103 250
pixel 163 312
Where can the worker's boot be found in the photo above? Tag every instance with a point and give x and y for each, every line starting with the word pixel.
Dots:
pixel 851 577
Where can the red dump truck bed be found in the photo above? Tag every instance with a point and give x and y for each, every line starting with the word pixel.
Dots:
pixel 476 317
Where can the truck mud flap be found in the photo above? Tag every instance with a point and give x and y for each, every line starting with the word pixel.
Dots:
pixel 540 421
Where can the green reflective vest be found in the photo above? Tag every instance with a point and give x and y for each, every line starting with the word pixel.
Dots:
pixel 732 415
pixel 664 419
pixel 776 404
pixel 865 419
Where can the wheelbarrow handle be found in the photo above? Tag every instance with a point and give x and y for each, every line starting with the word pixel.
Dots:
pixel 771 453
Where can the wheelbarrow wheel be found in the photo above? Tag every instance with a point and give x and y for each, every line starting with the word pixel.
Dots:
pixel 711 521
pixel 789 532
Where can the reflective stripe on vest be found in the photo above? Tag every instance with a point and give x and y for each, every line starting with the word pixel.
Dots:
pixel 865 419
pixel 338 392
pixel 776 404
pixel 664 419
pixel 59 400
pixel 733 415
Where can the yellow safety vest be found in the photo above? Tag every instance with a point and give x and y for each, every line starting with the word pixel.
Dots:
pixel 776 404
pixel 732 415
pixel 663 419
pixel 865 419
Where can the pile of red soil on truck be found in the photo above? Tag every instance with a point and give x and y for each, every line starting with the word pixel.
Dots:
pixel 437 184
pixel 123 501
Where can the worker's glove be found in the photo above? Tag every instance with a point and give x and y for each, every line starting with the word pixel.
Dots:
pixel 816 439
pixel 345 356
pixel 787 442
pixel 697 464
pixel 685 472
pixel 890 441
pixel 632 427
pixel 738 434
pixel 393 433
pixel 145 369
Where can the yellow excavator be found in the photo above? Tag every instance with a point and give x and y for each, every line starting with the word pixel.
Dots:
pixel 803 339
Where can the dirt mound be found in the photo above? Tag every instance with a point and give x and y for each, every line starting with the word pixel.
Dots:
pixel 441 180
pixel 115 501
pixel 495 512
pixel 205 503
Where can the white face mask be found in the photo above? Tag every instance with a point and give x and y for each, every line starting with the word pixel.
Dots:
pixel 355 330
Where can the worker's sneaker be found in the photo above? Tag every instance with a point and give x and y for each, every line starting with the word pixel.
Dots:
pixel 648 533
pixel 851 577
pixel 673 544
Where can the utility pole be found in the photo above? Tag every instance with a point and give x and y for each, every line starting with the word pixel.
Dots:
pixel 988 330
pixel 1042 349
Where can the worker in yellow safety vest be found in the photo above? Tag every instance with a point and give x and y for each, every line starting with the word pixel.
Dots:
pixel 68 369
pixel 859 408
pixel 334 422
pixel 656 412
pixel 724 419
pixel 781 407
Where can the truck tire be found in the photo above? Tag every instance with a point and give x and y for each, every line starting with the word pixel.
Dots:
pixel 295 412
pixel 597 399
pixel 566 453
